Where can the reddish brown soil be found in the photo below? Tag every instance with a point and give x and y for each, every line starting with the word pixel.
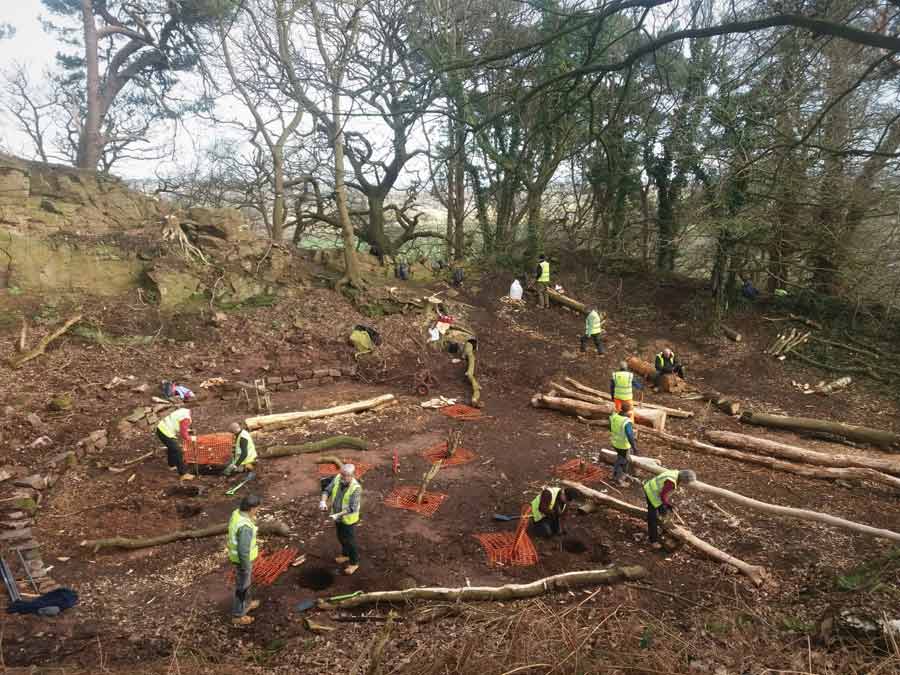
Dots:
pixel 143 607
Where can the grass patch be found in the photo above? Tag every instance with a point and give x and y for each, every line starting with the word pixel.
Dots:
pixel 872 575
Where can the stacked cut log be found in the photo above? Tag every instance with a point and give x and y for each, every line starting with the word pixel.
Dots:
pixel 600 410
pixel 592 395
pixel 785 343
pixel 669 383
pixel 281 420
pixel 888 440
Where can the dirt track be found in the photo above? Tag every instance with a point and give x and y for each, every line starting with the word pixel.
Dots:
pixel 139 606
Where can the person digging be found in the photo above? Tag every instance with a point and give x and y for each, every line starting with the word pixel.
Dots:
pixel 548 510
pixel 659 491
pixel 242 552
pixel 173 426
pixel 621 433
pixel 244 454
pixel 345 493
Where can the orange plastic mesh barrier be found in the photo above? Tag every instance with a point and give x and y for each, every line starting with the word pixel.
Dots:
pixel 329 469
pixel 405 498
pixel 439 451
pixel 579 470
pixel 210 450
pixel 269 566
pixel 461 412
pixel 507 548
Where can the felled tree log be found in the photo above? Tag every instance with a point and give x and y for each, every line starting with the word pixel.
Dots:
pixel 275 527
pixel 755 573
pixel 641 367
pixel 650 466
pixel 593 394
pixel 884 439
pixel 731 334
pixel 722 402
pixel 316 446
pixel 648 418
pixel 41 347
pixel 272 421
pixel 830 473
pixel 566 301
pixel 557 582
pixel 785 451
pixel 470 375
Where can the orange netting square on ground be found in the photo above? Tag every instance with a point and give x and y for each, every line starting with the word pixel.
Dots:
pixel 269 566
pixel 405 498
pixel 329 469
pixel 439 451
pixel 510 548
pixel 210 449
pixel 579 470
pixel 461 412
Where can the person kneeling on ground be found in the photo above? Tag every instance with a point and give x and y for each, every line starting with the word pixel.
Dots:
pixel 244 454
pixel 170 427
pixel 548 510
pixel 621 432
pixel 666 362
pixel 659 491
pixel 242 552
pixel 345 493
pixel 593 330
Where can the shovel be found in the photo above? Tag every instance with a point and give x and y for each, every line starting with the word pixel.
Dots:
pixel 237 487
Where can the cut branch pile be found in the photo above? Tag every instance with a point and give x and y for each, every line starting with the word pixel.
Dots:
pixel 785 343
pixel 650 466
pixel 755 573
pixel 280 420
pixel 823 387
pixel 557 582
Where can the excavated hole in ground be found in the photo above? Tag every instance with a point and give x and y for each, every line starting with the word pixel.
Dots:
pixel 572 545
pixel 316 578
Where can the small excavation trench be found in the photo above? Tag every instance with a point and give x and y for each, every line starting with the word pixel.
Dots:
pixel 316 578
pixel 572 545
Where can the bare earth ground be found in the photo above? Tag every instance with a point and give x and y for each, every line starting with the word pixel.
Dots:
pixel 165 609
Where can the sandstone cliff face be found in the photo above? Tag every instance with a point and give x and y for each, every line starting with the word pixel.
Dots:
pixel 70 231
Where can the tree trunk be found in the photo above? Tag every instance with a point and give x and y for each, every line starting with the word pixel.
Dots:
pixel 755 573
pixel 888 440
pixel 267 527
pixel 754 444
pixel 650 466
pixel 557 582
pixel 279 213
pixel 535 226
pixel 89 141
pixel 648 418
pixel 275 451
pixel 566 301
pixel 269 421
pixel 601 397
pixel 351 264
pixel 853 473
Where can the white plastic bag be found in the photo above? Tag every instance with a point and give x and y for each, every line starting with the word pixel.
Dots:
pixel 515 290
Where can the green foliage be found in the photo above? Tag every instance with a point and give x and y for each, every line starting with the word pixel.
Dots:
pixel 872 575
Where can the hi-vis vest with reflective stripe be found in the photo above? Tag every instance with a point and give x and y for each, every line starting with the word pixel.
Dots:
pixel 592 324
pixel 536 503
pixel 351 518
pixel 661 360
pixel 545 272
pixel 169 424
pixel 251 447
pixel 653 487
pixel 617 424
pixel 239 520
pixel 622 380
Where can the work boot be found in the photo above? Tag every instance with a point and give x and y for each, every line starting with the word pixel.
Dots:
pixel 350 569
pixel 341 559
pixel 173 468
pixel 254 604
pixel 187 476
pixel 242 620
pixel 656 546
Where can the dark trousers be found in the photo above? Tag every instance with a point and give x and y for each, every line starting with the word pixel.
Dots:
pixel 346 535
pixel 652 522
pixel 547 527
pixel 598 342
pixel 620 467
pixel 242 581
pixel 174 455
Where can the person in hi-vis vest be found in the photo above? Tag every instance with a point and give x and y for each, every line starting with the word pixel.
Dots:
pixel 243 550
pixel 659 491
pixel 621 386
pixel 345 493
pixel 542 279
